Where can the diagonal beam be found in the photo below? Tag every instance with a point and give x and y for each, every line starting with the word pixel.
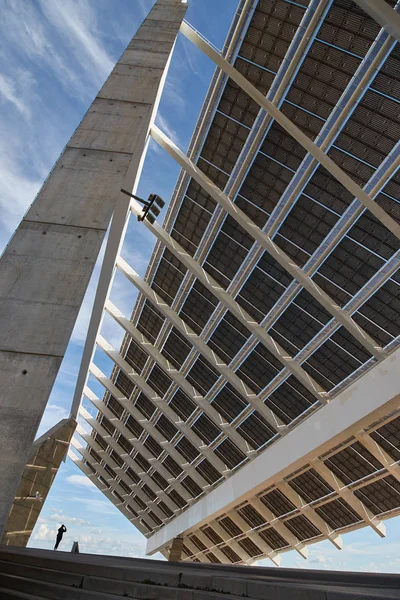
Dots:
pixel 177 377
pixel 279 526
pixel 138 446
pixel 159 402
pixel 382 13
pixel 86 471
pixel 147 425
pixel 310 513
pixel 252 535
pixel 232 543
pixel 200 345
pixel 265 241
pixel 379 453
pixel 292 129
pixel 94 424
pixel 230 303
pixel 349 497
pixel 114 485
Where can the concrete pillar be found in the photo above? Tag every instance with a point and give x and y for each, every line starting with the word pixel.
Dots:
pixel 47 265
pixel 175 553
pixel 46 456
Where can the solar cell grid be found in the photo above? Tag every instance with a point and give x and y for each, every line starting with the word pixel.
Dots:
pixel 381 496
pixel 273 539
pixel 361 145
pixel 338 514
pixel 250 547
pixel 202 375
pixel 388 436
pixel 229 403
pixel 353 463
pixel 311 486
pixel 208 472
pixel 164 426
pixel 251 516
pixel 230 554
pixel 278 503
pixel 145 406
pixel 302 528
pixel 182 404
pixel 191 486
pixel 187 449
pixel 255 430
pixel 229 454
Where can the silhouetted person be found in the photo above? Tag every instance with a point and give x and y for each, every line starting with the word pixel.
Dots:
pixel 59 537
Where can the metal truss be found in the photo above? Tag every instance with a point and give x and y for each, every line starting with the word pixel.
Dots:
pixel 267 243
pixel 292 129
pixel 196 541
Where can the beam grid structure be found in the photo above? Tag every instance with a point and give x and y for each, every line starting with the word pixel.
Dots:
pixel 267 323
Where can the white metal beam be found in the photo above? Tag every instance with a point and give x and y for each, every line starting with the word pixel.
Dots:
pixel 349 497
pixel 292 129
pixel 372 396
pixel 310 514
pixel 114 486
pixel 147 425
pixel 383 14
pixel 137 445
pixel 269 245
pixel 127 459
pixel 161 404
pixel 279 526
pixel 380 454
pixel 77 461
pixel 177 376
pixel 200 345
pixel 230 303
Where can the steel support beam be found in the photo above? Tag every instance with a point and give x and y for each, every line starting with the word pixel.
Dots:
pixel 310 513
pixel 137 445
pixel 86 471
pixel 349 497
pixel 177 377
pixel 292 129
pixel 380 454
pixel 94 424
pixel 161 404
pixel 383 14
pixel 114 485
pixel 269 245
pixel 230 303
pixel 147 425
pixel 280 527
pixel 199 344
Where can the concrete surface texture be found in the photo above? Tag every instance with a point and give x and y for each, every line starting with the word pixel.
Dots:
pixel 47 454
pixel 45 270
pixel 34 574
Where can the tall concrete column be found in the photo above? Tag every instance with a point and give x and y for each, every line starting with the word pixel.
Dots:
pixel 175 553
pixel 46 268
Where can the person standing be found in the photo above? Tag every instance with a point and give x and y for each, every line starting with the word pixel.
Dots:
pixel 59 537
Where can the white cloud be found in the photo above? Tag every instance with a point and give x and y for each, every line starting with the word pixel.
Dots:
pixel 80 481
pixel 75 22
pixel 61 518
pixel 9 92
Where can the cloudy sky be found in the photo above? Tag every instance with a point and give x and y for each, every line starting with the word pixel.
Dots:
pixel 54 56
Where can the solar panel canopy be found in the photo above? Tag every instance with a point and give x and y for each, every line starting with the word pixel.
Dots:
pixel 195 399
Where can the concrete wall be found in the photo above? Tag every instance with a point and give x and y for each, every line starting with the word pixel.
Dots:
pixel 46 268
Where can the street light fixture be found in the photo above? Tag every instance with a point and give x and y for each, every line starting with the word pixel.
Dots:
pixel 151 211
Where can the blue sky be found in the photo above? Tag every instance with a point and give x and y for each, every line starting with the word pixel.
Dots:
pixel 54 56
